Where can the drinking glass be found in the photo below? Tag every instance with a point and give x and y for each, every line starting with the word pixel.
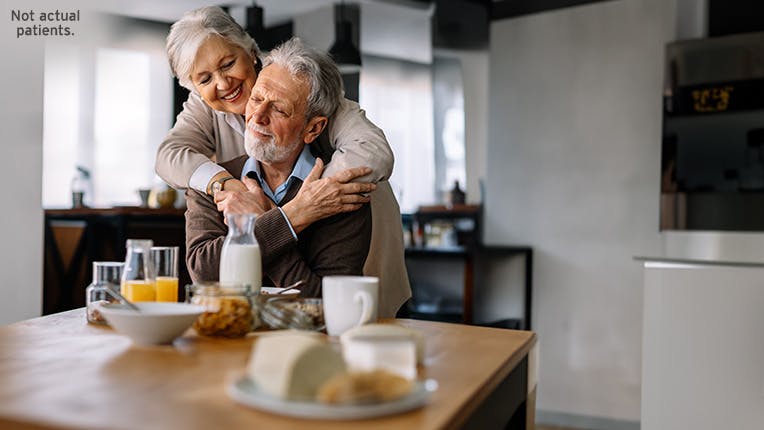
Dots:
pixel 106 276
pixel 165 260
pixel 138 276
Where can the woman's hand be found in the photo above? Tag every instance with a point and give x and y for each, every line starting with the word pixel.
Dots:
pixel 251 200
pixel 322 198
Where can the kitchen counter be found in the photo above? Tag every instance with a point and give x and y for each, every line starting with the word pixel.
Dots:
pixel 702 353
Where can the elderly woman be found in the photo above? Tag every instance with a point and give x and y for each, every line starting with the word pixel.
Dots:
pixel 218 62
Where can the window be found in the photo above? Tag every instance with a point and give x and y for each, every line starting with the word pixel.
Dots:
pixel 106 109
pixel 448 97
pixel 121 123
pixel 422 115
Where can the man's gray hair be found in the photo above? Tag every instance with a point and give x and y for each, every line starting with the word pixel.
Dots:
pixel 317 68
pixel 193 29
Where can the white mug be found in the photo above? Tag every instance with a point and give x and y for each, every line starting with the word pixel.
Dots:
pixel 349 301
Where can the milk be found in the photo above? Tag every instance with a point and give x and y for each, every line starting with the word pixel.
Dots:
pixel 241 264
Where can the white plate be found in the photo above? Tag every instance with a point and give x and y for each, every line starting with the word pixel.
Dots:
pixel 247 392
pixel 277 290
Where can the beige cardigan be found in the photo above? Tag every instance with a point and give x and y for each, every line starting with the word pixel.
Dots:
pixel 201 134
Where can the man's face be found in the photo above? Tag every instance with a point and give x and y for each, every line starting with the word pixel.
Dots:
pixel 223 74
pixel 275 116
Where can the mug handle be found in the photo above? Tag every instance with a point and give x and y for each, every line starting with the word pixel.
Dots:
pixel 367 303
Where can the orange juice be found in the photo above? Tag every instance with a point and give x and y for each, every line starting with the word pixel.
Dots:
pixel 139 291
pixel 167 289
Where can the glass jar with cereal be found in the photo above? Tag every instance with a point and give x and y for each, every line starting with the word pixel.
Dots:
pixel 229 310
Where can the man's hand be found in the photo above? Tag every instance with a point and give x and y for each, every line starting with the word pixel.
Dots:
pixel 234 185
pixel 252 200
pixel 322 198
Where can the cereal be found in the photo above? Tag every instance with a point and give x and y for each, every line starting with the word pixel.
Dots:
pixel 313 309
pixel 94 315
pixel 224 316
pixel 292 312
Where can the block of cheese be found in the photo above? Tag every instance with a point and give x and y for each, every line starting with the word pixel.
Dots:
pixel 396 355
pixel 388 331
pixel 293 365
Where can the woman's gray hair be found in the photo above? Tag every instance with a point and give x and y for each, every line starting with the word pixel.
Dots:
pixel 317 68
pixel 190 32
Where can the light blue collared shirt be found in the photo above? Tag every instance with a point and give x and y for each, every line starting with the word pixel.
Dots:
pixel 301 170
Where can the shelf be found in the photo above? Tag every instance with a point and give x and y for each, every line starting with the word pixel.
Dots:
pixel 460 227
pixel 440 315
pixel 455 251
pixel 447 212
pixel 508 249
pixel 509 323
pixel 461 251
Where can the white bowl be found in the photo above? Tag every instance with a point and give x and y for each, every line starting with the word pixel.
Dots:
pixel 156 323
pixel 276 290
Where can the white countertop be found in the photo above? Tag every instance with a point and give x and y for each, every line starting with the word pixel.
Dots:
pixel 696 261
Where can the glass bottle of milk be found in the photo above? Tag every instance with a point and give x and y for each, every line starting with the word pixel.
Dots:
pixel 240 261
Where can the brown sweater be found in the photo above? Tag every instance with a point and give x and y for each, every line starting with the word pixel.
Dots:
pixel 337 245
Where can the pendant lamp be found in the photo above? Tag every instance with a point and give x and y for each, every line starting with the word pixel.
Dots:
pixel 343 51
pixel 255 26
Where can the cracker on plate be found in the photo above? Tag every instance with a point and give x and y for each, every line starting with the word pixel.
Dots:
pixel 364 387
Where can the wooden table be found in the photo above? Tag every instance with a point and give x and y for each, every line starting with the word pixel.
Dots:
pixel 59 372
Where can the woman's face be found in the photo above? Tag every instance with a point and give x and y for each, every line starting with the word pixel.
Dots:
pixel 223 74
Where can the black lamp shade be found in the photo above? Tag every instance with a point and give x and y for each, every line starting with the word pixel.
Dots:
pixel 255 26
pixel 343 51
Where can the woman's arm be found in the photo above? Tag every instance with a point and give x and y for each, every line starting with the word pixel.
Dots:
pixel 189 145
pixel 357 142
pixel 324 197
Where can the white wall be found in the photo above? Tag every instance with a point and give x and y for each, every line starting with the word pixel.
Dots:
pixel 574 155
pixel 22 222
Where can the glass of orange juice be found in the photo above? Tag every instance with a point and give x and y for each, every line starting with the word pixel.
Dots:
pixel 165 259
pixel 138 273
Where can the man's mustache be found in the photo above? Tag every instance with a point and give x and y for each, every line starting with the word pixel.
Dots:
pixel 251 126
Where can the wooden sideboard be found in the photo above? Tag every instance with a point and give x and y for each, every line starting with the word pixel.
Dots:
pixel 75 238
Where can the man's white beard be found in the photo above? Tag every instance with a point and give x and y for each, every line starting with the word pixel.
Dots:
pixel 266 149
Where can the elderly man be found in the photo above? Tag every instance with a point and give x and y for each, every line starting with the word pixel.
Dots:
pixel 296 91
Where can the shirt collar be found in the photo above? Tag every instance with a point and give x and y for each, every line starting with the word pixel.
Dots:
pixel 301 170
pixel 235 121
pixel 304 164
